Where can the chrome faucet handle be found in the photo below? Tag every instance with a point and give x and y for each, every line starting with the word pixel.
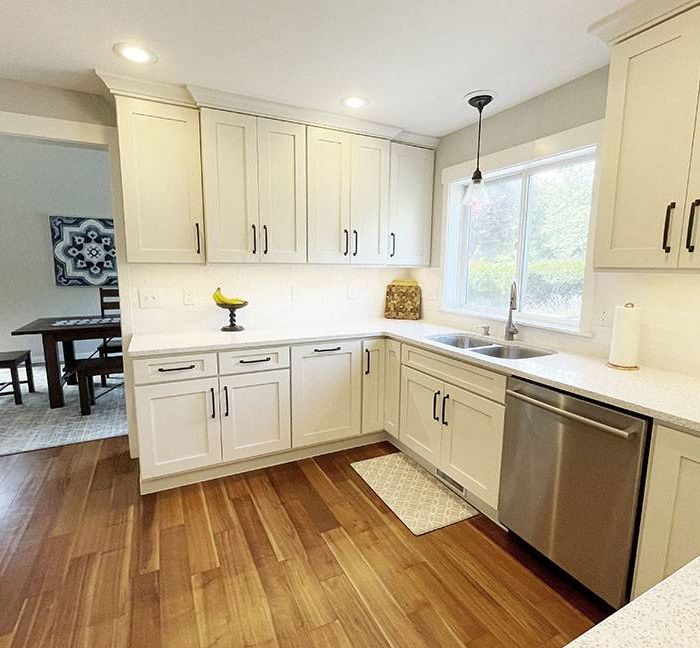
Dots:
pixel 485 329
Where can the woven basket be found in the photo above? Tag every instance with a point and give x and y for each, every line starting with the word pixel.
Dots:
pixel 403 300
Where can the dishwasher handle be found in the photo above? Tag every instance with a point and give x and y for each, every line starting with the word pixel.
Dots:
pixel 622 434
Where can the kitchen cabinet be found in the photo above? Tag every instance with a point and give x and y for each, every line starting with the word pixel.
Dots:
pixel 348 197
pixel 373 358
pixel 645 195
pixel 255 414
pixel 421 426
pixel 392 387
pixel 411 205
pixel 472 442
pixel 670 530
pixel 162 181
pixel 230 177
pixel 326 392
pixel 178 426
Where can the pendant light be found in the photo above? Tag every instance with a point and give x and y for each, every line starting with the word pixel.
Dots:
pixel 476 194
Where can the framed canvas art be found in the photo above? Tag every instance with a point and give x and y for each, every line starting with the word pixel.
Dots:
pixel 84 253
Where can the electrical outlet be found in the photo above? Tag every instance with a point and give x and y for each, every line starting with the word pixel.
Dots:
pixel 432 294
pixel 149 298
pixel 604 318
pixel 352 291
pixel 188 296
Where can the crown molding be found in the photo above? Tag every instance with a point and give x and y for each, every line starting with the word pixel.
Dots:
pixel 637 17
pixel 415 139
pixel 142 89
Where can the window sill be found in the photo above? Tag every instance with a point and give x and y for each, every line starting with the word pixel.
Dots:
pixel 519 321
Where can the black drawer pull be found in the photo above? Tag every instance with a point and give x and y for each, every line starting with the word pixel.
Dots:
pixel 667 226
pixel 691 226
pixel 255 239
pixel 213 403
pixel 347 242
pixel 436 395
pixel 393 245
pixel 255 361
pixel 199 243
pixel 369 358
pixel 326 350
pixel 354 233
pixel 187 368
pixel 444 401
pixel 226 395
pixel 265 239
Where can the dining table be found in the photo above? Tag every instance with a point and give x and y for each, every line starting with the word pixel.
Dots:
pixel 66 330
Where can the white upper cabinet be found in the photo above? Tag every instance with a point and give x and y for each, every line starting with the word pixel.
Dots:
pixel 690 235
pixel 646 157
pixel 328 160
pixel 369 199
pixel 282 191
pixel 348 182
pixel 230 177
pixel 162 181
pixel 410 213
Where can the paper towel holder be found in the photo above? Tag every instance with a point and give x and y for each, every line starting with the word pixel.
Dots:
pixel 620 367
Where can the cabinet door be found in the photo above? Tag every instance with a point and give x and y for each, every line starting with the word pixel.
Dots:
pixel 670 532
pixel 179 426
pixel 421 429
pixel 282 184
pixel 649 124
pixel 326 392
pixel 369 199
pixel 162 181
pixel 690 235
pixel 373 353
pixel 328 156
pixel 255 414
pixel 472 443
pixel 392 387
pixel 230 176
pixel 411 208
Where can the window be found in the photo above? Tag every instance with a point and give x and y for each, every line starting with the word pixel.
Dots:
pixel 534 230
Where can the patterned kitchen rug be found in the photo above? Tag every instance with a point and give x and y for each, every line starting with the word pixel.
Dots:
pixel 417 498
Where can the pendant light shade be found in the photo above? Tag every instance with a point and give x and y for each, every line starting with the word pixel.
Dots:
pixel 476 194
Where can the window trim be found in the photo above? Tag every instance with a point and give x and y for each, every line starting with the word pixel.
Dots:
pixel 525 158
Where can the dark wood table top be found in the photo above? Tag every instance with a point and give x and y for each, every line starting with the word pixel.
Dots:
pixel 67 324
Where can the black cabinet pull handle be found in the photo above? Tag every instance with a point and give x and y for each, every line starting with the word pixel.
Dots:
pixel 326 350
pixel 255 239
pixel 354 234
pixel 393 245
pixel 667 226
pixel 164 370
pixel 213 404
pixel 444 401
pixel 436 395
pixel 265 238
pixel 369 356
pixel 226 398
pixel 254 361
pixel 347 242
pixel 199 242
pixel 691 226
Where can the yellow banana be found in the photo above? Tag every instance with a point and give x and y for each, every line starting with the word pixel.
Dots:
pixel 220 298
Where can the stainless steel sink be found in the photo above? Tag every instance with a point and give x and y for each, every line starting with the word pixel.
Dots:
pixel 460 341
pixel 511 352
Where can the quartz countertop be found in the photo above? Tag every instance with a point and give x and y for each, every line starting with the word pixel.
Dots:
pixel 668 615
pixel 666 396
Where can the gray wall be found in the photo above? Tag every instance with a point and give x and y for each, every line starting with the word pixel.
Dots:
pixel 39 179
pixel 575 103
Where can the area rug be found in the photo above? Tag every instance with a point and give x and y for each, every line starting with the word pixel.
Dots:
pixel 34 425
pixel 417 498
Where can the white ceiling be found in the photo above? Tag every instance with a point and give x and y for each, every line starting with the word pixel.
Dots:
pixel 414 59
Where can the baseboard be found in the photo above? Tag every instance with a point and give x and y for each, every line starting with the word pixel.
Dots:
pixel 246 465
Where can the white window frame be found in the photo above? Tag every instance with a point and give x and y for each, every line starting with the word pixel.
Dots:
pixel 522 160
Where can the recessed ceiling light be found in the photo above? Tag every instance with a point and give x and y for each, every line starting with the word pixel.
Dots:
pixel 354 102
pixel 135 53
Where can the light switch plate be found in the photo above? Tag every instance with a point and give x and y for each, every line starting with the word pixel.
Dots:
pixel 149 298
pixel 188 296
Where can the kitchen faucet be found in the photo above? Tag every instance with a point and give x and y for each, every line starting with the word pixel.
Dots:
pixel 512 329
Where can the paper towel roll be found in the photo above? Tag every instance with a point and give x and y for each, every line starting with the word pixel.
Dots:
pixel 624 345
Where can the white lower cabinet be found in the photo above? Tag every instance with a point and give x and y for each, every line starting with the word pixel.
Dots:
pixel 392 387
pixel 326 392
pixel 421 429
pixel 178 426
pixel 670 531
pixel 373 356
pixel 255 416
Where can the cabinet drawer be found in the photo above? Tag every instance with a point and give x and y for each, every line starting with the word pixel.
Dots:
pixel 247 360
pixel 456 372
pixel 168 369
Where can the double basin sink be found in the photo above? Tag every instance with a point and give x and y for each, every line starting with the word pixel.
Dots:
pixel 488 348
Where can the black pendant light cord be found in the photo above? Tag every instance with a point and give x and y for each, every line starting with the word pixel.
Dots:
pixel 479 101
pixel 478 141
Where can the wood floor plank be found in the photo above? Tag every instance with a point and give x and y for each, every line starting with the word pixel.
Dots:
pixel 201 547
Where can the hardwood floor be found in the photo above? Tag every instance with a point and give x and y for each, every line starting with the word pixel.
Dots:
pixel 302 554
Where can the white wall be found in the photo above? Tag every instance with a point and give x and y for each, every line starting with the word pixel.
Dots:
pixel 669 298
pixel 40 179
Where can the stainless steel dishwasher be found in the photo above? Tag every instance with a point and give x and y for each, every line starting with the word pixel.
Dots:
pixel 570 483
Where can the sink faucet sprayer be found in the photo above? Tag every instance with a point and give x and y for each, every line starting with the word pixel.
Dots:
pixel 512 329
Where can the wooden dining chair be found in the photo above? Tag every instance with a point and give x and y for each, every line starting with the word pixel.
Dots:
pixel 109 306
